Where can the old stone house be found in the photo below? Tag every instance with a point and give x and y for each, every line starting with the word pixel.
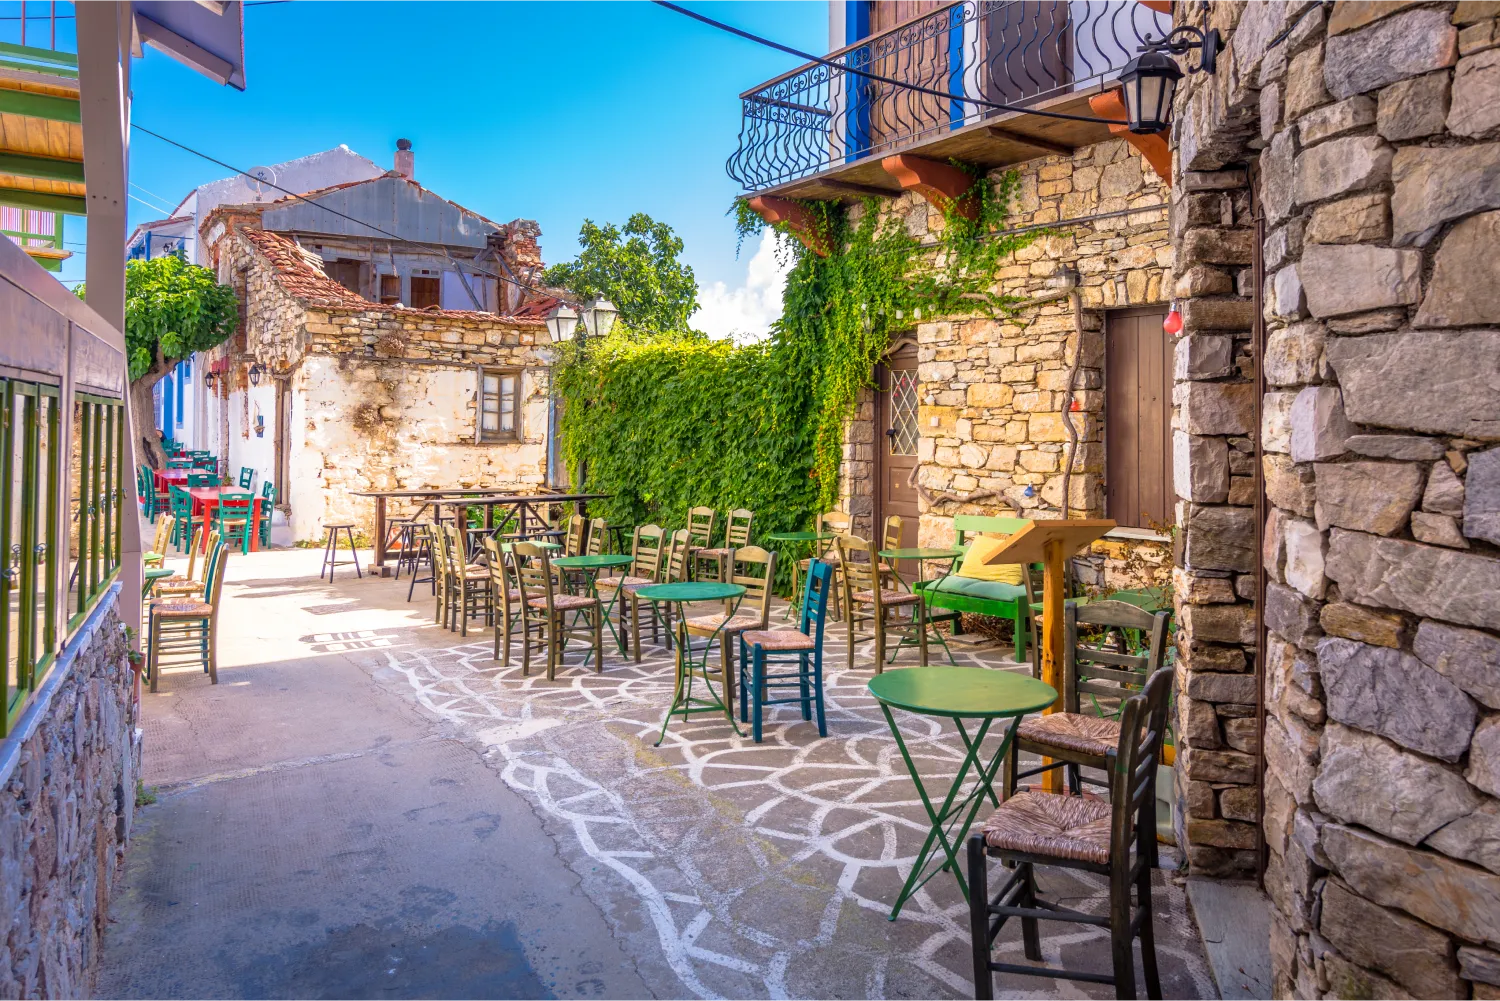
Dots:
pixel 327 393
pixel 1331 432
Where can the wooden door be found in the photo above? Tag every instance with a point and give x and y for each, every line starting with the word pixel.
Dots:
pixel 1138 418
pixel 283 462
pixel 896 435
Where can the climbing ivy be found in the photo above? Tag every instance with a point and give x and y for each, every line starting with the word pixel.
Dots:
pixel 664 422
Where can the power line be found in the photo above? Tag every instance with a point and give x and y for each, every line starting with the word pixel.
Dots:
pixel 513 279
pixel 977 102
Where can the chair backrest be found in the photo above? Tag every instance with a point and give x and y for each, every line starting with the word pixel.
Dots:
pixel 213 581
pixel 832 521
pixel 247 477
pixel 815 600
pixel 181 501
pixel 700 526
pixel 1143 727
pixel 737 528
pixel 646 551
pixel 200 479
pixel 598 529
pixel 859 574
pixel 268 491
pixel 891 539
pixel 496 560
pixel 455 550
pixel 573 539
pixel 164 526
pixel 235 509
pixel 1130 646
pixel 533 570
pixel 674 568
pixel 179 463
pixel 754 569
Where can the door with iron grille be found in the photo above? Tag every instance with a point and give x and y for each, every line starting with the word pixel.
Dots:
pixel 896 435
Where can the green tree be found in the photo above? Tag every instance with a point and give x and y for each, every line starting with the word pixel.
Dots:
pixel 172 309
pixel 636 268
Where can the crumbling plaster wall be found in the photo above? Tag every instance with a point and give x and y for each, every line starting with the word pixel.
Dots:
pixel 1380 179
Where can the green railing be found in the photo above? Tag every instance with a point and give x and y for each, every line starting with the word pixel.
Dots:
pixel 36 588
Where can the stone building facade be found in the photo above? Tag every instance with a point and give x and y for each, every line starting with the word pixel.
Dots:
pixel 994 393
pixel 1372 136
pixel 368 396
pixel 67 772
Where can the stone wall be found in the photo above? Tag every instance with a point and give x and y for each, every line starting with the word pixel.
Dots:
pixel 1380 179
pixel 68 776
pixel 382 398
pixel 992 391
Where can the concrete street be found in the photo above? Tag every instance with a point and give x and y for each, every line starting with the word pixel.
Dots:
pixel 368 805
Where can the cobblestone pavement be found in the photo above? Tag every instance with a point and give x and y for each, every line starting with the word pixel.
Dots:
pixel 744 870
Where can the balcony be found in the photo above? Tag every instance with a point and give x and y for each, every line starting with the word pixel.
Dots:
pixel 820 132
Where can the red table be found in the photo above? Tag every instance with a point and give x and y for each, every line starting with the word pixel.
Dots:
pixel 166 478
pixel 206 501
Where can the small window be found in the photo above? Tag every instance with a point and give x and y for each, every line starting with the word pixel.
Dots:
pixel 499 391
pixel 390 289
pixel 425 292
pixel 345 272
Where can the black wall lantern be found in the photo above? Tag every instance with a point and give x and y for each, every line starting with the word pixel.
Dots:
pixel 255 373
pixel 208 378
pixel 1149 81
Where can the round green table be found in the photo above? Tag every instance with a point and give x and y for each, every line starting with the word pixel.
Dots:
pixel 683 702
pixel 920 555
pixel 957 693
pixel 784 551
pixel 590 566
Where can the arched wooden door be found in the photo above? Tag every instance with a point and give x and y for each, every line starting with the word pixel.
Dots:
pixel 896 436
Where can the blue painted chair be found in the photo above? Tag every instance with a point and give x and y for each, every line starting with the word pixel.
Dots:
pixel 803 647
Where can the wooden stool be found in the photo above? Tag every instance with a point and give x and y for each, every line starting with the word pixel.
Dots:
pixel 331 551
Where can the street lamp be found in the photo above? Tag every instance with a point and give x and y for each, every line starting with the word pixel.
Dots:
pixel 599 316
pixel 1149 81
pixel 561 323
pixel 255 373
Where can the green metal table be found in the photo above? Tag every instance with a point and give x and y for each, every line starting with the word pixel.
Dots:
pixel 957 693
pixel 591 565
pixel 683 702
pixel 151 576
pixel 784 552
pixel 921 555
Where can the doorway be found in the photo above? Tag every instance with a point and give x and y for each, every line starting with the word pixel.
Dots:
pixel 896 437
pixel 283 439
pixel 1138 419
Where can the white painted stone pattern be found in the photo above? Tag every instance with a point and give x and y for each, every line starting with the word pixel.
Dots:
pixel 64 818
pixel 1380 177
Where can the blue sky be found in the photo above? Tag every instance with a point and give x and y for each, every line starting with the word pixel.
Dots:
pixel 550 111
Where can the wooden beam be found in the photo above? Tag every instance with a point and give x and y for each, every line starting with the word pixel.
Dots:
pixel 942 184
pixel 1111 104
pixel 1025 140
pixel 41 167
pixel 47 202
pixel 53 109
pixel 797 220
pixel 858 189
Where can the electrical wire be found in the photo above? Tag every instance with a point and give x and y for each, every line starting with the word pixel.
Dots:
pixel 513 278
pixel 930 91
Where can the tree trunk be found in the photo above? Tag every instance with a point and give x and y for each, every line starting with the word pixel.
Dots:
pixel 148 450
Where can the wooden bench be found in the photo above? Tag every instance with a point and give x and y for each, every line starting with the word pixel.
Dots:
pixel 984 597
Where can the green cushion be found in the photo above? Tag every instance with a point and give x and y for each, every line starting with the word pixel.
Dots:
pixel 990 589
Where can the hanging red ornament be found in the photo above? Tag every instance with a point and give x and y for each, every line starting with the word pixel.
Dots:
pixel 1173 323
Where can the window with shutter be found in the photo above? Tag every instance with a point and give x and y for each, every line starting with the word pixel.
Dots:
pixel 498 398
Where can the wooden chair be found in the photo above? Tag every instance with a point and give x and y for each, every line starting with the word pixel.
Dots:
pixel 646 552
pixel 545 610
pixel 700 529
pixel 247 477
pixel 464 590
pixel 1115 838
pixel 736 536
pixel 155 556
pixel 754 608
pixel 233 519
pixel 195 480
pixel 828 552
pixel 597 538
pixel 576 527
pixel 185 524
pixel 890 538
pixel 675 568
pixel 505 598
pixel 195 580
pixel 267 505
pixel 804 647
pixel 867 600
pixel 184 629
pixel 1084 735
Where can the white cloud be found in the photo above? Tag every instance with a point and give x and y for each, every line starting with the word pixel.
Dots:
pixel 745 313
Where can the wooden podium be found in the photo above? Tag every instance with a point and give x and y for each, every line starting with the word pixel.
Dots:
pixel 1051 543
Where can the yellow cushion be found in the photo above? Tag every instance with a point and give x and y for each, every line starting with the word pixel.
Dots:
pixel 982 549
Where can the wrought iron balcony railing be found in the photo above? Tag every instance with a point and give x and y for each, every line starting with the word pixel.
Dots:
pixel 1017 52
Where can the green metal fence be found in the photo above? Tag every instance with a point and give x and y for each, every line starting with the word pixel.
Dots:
pixel 38 589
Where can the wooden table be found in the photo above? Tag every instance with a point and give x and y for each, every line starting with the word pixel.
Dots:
pixel 957 693
pixel 1051 543
pixel 522 505
pixel 206 499
pixel 165 478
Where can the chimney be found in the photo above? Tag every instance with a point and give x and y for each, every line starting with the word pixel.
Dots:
pixel 405 160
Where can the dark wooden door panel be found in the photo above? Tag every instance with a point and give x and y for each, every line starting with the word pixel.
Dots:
pixel 1138 418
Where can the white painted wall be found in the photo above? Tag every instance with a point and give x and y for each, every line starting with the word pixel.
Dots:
pixel 245 449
